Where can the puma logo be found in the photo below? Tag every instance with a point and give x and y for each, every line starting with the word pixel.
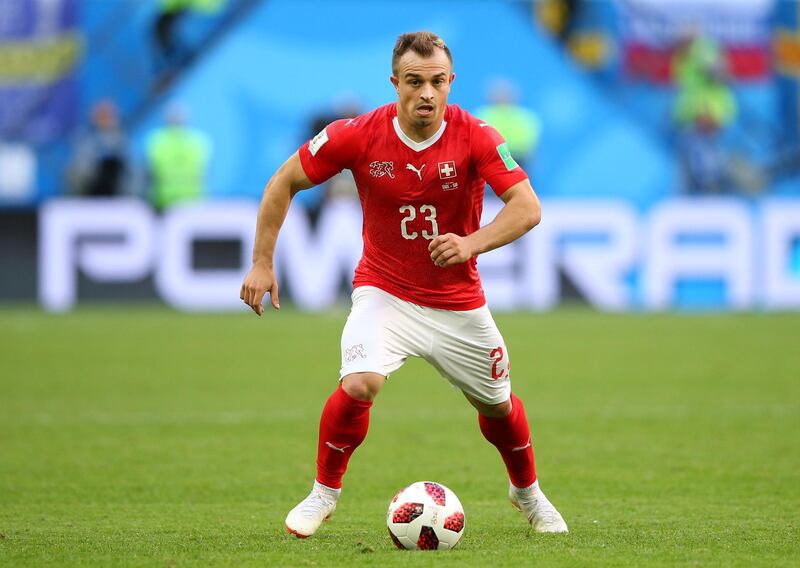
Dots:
pixel 415 170
pixel 343 448
pixel 525 447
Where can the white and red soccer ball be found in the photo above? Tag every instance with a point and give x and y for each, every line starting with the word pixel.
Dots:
pixel 425 515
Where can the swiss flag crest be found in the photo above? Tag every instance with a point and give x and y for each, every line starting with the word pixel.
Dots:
pixel 447 170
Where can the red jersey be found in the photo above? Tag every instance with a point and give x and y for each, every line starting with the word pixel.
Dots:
pixel 411 192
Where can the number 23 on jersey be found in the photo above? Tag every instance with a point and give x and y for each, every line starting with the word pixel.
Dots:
pixel 410 214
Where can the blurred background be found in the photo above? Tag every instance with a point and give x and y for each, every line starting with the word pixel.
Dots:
pixel 662 135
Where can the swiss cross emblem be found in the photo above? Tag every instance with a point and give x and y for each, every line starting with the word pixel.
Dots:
pixel 447 170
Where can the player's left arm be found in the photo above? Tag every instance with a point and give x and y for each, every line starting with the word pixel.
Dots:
pixel 521 213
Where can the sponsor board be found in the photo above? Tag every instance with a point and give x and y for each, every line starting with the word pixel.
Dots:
pixel 616 257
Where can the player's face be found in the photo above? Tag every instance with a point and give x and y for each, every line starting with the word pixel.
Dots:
pixel 422 85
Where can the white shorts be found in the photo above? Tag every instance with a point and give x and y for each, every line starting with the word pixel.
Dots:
pixel 464 346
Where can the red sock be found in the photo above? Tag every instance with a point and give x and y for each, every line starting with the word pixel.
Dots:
pixel 342 428
pixel 512 437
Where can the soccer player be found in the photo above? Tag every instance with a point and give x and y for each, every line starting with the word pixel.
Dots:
pixel 420 166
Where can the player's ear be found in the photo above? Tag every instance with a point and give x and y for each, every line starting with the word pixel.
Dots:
pixel 452 78
pixel 396 82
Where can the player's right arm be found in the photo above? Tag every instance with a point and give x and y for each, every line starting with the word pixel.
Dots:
pixel 318 160
pixel 287 181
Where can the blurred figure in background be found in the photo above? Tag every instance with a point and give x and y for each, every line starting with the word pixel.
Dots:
pixel 557 16
pixel 342 185
pixel 578 27
pixel 178 158
pixel 170 50
pixel 100 166
pixel 704 108
pixel 519 126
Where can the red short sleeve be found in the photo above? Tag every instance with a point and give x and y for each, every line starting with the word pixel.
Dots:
pixel 494 161
pixel 330 151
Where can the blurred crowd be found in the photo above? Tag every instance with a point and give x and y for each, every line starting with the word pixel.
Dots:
pixel 178 155
pixel 173 168
pixel 704 108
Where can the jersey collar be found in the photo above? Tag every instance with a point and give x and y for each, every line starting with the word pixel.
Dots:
pixel 417 146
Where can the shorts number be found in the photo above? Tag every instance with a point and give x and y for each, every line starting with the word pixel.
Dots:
pixel 497 355
pixel 410 214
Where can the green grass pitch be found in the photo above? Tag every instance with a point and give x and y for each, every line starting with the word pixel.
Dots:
pixel 143 437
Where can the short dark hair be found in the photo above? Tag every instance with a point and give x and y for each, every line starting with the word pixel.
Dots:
pixel 421 43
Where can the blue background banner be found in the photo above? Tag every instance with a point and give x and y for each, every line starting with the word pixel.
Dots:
pixel 40 49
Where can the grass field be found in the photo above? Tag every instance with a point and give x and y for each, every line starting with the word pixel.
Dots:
pixel 146 437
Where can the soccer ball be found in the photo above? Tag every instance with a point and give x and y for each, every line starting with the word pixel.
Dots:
pixel 425 515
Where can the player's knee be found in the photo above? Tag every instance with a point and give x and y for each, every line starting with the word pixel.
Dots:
pixel 496 410
pixel 500 410
pixel 362 386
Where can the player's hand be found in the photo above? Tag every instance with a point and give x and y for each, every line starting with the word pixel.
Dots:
pixel 450 249
pixel 259 281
